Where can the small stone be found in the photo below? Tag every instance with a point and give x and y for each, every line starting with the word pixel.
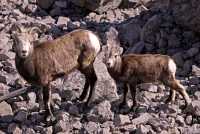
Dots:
pixel 106 131
pixel 61 126
pixel 101 112
pixel 188 120
pixel 91 127
pixel 21 116
pixel 77 125
pixel 14 129
pixel 136 48
pixel 195 70
pixel 62 21
pixel 45 4
pixel 4 89
pixel 56 97
pixel 3 57
pixel 63 116
pixel 192 52
pixel 61 4
pixel 27 130
pixel 73 109
pixel 6 112
pixel 149 87
pixel 32 97
pixel 30 8
pixel 49 130
pixel 57 11
pixel 142 119
pixel 142 130
pixel 187 66
pixel 48 20
pixel 178 58
pixel 121 120
pixel 197 95
pixel 180 120
pixel 3 79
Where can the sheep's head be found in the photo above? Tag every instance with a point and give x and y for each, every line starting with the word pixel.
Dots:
pixel 23 40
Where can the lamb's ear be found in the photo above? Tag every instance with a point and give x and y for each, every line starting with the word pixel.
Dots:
pixel 121 50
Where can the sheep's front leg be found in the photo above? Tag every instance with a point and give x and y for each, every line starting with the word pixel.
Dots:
pixel 47 102
pixel 85 90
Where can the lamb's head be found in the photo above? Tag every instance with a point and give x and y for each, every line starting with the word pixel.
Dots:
pixel 23 41
pixel 112 55
pixel 112 50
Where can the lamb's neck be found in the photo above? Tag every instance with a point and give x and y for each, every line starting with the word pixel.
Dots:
pixel 117 69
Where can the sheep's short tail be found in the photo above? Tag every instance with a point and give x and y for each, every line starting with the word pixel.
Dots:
pixel 95 42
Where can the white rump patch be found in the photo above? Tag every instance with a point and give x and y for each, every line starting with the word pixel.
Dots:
pixel 172 66
pixel 94 41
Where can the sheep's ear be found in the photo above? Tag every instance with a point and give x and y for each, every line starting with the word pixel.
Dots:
pixel 34 31
pixel 104 48
pixel 16 28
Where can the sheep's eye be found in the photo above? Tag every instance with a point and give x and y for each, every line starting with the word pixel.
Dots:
pixel 116 56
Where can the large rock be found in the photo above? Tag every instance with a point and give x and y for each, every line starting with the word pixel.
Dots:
pixel 99 6
pixel 186 13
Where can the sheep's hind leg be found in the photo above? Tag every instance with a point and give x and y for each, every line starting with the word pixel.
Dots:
pixel 171 97
pixel 47 102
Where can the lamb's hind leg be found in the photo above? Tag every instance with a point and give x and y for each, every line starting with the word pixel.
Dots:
pixel 126 88
pixel 175 85
pixel 171 97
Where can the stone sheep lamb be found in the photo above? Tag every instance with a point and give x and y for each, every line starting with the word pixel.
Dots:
pixel 44 62
pixel 134 69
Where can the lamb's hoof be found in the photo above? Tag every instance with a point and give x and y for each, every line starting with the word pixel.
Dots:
pixel 169 101
pixel 50 120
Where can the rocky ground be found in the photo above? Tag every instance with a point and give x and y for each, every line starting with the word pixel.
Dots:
pixel 162 28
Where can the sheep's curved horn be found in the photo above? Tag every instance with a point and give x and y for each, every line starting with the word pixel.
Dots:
pixel 16 27
pixel 35 30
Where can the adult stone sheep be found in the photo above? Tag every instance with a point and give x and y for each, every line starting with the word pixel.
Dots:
pixel 41 63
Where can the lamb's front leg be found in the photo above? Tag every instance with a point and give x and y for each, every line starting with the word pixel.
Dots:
pixel 126 88
pixel 133 94
pixel 47 102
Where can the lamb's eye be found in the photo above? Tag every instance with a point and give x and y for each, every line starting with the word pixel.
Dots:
pixel 116 56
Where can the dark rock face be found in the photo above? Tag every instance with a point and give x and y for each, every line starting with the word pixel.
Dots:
pixel 186 13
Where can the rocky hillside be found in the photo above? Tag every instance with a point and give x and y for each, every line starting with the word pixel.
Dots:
pixel 145 26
